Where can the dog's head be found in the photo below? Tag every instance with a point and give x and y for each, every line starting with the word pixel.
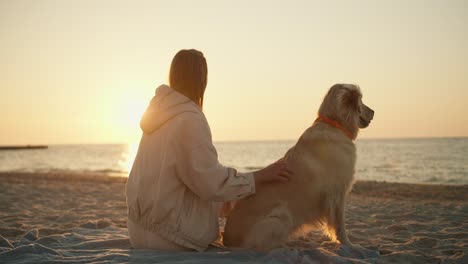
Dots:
pixel 343 103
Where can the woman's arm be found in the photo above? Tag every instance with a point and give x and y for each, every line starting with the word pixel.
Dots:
pixel 210 180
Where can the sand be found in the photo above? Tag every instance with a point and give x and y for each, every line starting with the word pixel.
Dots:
pixel 82 218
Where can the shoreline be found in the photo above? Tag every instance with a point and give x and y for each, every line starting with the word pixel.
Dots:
pixel 377 189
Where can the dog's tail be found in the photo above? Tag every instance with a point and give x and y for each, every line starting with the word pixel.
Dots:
pixel 272 230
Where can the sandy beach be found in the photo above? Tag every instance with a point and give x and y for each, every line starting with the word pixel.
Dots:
pixel 82 218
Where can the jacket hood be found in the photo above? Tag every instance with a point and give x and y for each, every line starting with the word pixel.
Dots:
pixel 165 105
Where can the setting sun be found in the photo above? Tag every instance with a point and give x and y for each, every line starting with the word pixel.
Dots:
pixel 131 118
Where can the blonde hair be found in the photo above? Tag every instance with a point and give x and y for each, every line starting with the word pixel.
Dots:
pixel 189 74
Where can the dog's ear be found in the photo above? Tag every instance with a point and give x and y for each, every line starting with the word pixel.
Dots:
pixel 352 98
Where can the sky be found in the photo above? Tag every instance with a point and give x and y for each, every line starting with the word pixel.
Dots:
pixel 74 72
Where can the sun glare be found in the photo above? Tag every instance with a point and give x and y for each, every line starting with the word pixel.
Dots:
pixel 127 116
pixel 128 112
pixel 132 114
pixel 131 154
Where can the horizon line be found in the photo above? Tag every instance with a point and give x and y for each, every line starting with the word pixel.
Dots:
pixel 247 140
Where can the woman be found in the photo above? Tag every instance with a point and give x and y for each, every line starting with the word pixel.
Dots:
pixel 177 186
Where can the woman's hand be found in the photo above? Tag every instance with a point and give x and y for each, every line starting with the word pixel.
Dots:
pixel 277 171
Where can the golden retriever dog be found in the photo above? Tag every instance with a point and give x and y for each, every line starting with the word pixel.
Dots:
pixel 322 162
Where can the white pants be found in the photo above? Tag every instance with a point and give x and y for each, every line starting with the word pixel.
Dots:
pixel 143 239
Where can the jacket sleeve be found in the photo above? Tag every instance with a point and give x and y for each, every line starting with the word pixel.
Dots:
pixel 204 175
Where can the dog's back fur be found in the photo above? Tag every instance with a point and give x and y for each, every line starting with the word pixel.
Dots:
pixel 322 163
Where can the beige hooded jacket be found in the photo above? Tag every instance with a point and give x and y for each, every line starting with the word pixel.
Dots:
pixel 176 186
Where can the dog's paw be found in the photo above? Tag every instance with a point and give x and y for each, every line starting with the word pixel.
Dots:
pixel 357 251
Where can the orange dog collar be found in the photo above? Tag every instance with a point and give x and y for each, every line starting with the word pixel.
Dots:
pixel 335 124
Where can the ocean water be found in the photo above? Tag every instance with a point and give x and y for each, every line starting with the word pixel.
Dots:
pixel 431 160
